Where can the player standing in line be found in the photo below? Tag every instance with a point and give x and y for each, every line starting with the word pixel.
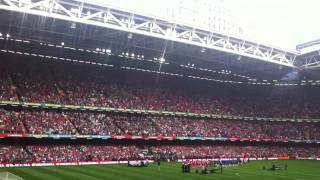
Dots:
pixel 159 163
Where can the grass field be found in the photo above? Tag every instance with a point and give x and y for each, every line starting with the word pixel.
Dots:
pixel 297 170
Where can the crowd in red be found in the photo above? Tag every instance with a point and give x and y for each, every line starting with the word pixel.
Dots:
pixel 232 151
pixel 71 153
pixel 7 90
pixel 85 85
pixel 68 153
pixel 86 123
pixel 74 153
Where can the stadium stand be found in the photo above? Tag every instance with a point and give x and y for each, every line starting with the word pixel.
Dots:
pixel 83 153
pixel 185 94
pixel 83 85
pixel 89 123
pixel 63 83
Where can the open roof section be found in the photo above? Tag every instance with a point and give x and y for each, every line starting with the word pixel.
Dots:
pixel 131 22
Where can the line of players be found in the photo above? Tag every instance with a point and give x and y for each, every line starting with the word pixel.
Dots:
pixel 203 166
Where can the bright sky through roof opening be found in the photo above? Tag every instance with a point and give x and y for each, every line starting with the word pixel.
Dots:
pixel 284 23
pixel 281 23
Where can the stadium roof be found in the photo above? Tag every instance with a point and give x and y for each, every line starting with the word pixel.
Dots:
pixel 128 21
pixel 283 23
pixel 96 24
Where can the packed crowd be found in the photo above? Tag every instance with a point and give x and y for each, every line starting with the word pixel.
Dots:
pixel 86 85
pixel 11 123
pixel 7 90
pixel 68 153
pixel 90 123
pixel 232 151
pixel 74 153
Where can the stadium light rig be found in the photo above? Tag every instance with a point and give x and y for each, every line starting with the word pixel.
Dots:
pixel 223 71
pixel 73 25
pixel 108 51
pixel 255 82
pixel 76 12
pixel 162 60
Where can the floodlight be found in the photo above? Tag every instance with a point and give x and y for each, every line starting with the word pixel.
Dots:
pixel 162 60
pixel 73 25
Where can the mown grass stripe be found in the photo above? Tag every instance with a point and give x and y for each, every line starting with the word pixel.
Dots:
pixel 33 173
pixel 297 170
pixel 91 172
pixel 67 174
pixel 121 173
pixel 25 174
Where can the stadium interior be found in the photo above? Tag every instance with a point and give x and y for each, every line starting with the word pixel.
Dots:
pixel 75 93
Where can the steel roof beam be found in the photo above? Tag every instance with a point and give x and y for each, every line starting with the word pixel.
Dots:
pixel 83 12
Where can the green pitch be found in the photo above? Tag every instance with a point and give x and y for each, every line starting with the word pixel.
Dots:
pixel 297 170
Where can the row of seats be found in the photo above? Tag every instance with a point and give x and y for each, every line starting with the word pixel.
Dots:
pixel 74 153
pixel 89 123
pixel 64 83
